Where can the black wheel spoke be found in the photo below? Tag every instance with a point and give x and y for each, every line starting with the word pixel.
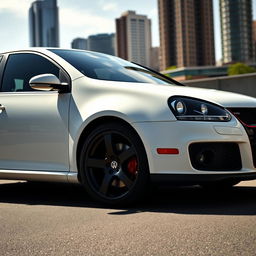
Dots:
pixel 108 144
pixel 125 155
pixel 105 184
pixel 125 179
pixel 112 156
pixel 96 163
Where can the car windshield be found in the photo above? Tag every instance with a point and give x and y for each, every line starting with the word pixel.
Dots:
pixel 106 67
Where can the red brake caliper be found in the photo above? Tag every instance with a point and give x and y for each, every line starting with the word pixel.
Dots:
pixel 132 166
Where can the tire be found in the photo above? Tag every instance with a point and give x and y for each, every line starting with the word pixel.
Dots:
pixel 113 165
pixel 220 185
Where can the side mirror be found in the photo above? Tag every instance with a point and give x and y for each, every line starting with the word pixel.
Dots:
pixel 47 82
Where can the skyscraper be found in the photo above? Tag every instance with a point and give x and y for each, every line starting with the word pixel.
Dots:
pixel 154 58
pixel 236 30
pixel 79 43
pixel 133 33
pixel 44 23
pixel 186 33
pixel 254 38
pixel 104 43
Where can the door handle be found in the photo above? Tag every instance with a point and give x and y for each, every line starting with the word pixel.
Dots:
pixel 2 107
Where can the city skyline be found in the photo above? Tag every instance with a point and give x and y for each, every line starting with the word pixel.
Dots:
pixel 134 41
pixel 79 43
pixel 104 43
pixel 81 20
pixel 236 31
pixel 44 23
pixel 186 33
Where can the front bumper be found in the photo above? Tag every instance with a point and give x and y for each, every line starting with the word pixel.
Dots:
pixel 192 179
pixel 180 135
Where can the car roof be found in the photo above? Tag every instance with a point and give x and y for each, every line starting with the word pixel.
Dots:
pixel 73 72
pixel 42 50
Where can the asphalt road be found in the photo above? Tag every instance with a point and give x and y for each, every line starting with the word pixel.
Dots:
pixel 52 219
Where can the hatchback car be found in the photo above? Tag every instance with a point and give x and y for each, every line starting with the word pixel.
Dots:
pixel 115 126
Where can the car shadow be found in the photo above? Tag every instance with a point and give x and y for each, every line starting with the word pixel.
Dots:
pixel 183 200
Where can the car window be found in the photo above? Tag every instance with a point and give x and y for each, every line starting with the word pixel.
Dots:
pixel 107 67
pixel 21 67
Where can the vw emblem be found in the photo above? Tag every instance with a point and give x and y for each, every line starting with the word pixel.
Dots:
pixel 114 164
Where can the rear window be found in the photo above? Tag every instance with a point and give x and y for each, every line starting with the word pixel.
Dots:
pixel 106 67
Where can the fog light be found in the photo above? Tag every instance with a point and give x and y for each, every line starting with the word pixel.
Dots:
pixel 205 157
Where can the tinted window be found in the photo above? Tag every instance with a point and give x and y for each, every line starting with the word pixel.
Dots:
pixel 107 67
pixel 20 68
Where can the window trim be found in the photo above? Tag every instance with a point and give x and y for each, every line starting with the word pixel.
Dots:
pixel 2 68
pixel 4 61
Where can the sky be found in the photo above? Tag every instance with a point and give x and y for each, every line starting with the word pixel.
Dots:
pixel 81 18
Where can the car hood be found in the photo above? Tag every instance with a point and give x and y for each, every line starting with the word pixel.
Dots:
pixel 141 102
pixel 222 98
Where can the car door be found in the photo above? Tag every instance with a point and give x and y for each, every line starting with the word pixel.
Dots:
pixel 33 124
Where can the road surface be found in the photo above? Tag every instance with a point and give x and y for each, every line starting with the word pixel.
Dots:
pixel 58 219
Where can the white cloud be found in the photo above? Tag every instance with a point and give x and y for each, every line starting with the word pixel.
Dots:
pixel 88 22
pixel 153 12
pixel 109 7
pixel 17 7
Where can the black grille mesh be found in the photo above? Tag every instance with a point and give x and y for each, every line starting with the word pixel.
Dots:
pixel 247 116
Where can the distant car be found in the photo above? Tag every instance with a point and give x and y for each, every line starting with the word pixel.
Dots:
pixel 114 126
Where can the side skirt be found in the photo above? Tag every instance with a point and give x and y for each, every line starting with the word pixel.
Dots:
pixel 36 176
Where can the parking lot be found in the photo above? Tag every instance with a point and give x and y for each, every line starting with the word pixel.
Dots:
pixel 59 219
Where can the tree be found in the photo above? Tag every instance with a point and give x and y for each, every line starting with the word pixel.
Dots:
pixel 171 68
pixel 240 68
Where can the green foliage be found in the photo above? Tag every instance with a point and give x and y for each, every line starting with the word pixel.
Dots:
pixel 168 75
pixel 171 68
pixel 240 68
pixel 189 77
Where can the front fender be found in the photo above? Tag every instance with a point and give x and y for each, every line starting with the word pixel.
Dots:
pixel 91 101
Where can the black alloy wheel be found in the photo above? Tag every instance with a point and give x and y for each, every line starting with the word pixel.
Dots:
pixel 114 167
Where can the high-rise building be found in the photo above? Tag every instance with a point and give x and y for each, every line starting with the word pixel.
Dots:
pixel 236 30
pixel 44 23
pixel 79 43
pixel 104 43
pixel 254 38
pixel 154 58
pixel 133 34
pixel 186 33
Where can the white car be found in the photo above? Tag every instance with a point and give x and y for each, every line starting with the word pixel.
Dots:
pixel 114 126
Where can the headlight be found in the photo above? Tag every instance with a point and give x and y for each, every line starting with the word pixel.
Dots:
pixel 190 109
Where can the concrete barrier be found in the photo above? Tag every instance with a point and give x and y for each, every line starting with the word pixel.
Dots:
pixel 244 84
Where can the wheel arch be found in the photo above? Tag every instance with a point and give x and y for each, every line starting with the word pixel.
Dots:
pixel 91 126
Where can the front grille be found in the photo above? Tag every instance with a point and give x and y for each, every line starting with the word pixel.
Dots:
pixel 247 117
